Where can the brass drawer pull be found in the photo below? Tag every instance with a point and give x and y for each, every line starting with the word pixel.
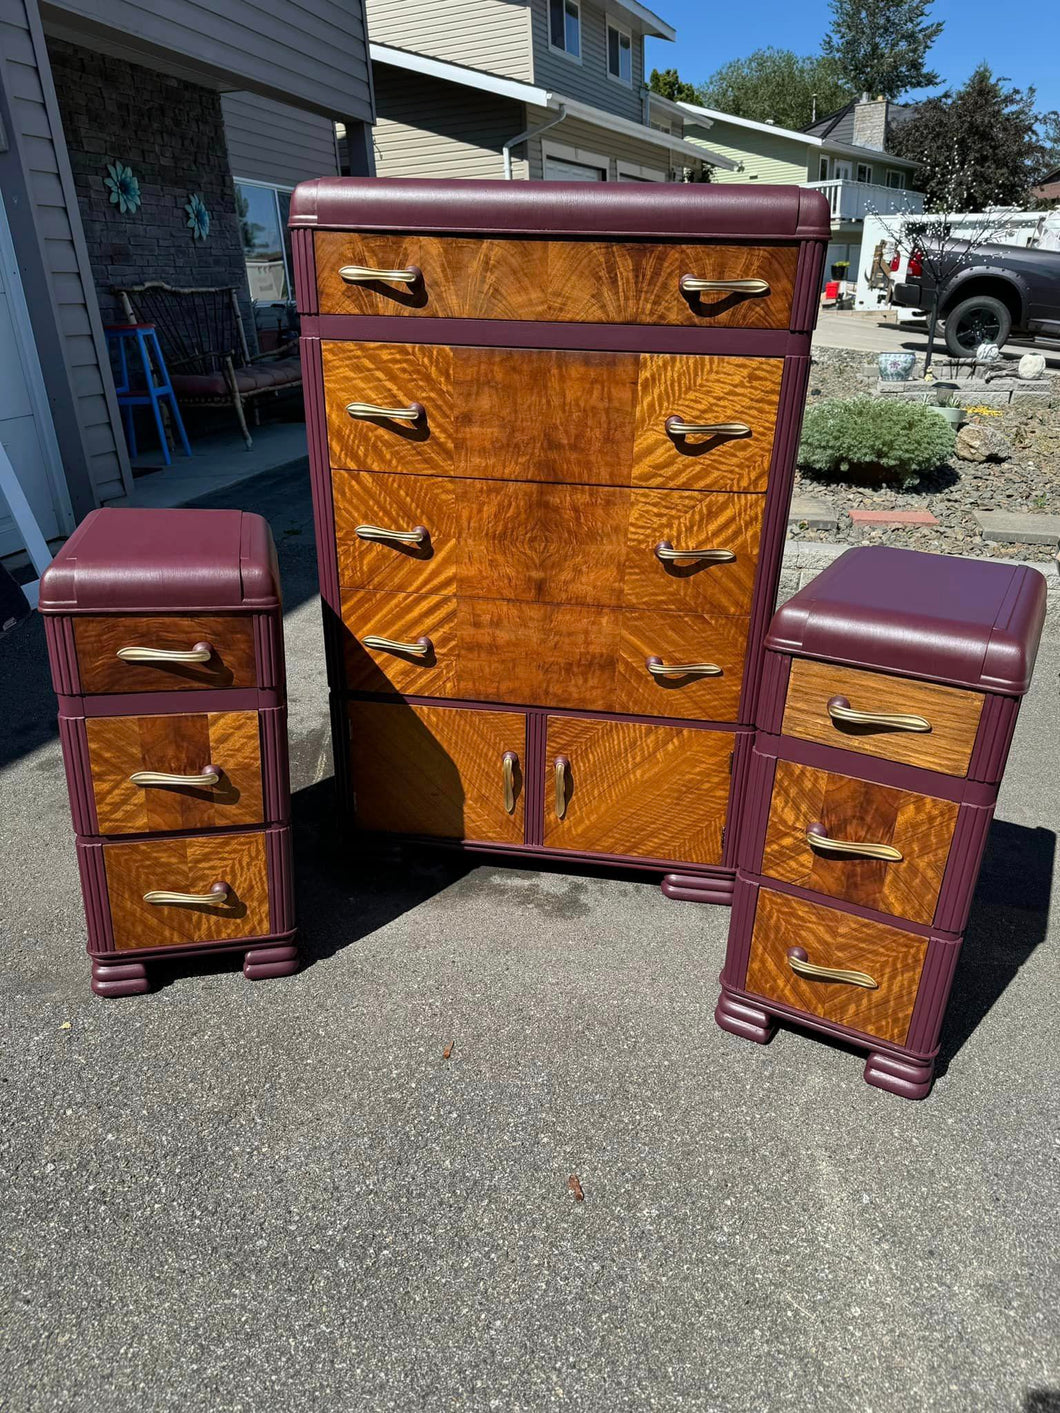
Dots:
pixel 678 427
pixel 201 652
pixel 420 648
pixel 820 841
pixel 412 413
pixel 363 274
pixel 839 709
pixel 209 775
pixel 508 763
pixel 658 668
pixel 665 551
pixel 692 284
pixel 416 536
pixel 560 766
pixel 801 966
pixel 218 894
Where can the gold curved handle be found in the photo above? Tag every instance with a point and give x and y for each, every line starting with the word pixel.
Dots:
pixel 560 766
pixel 416 536
pixel 819 841
pixel 692 284
pixel 665 551
pixel 839 709
pixel 412 413
pixel 678 427
pixel 209 775
pixel 802 966
pixel 508 763
pixel 201 652
pixel 658 668
pixel 218 894
pixel 420 648
pixel 362 274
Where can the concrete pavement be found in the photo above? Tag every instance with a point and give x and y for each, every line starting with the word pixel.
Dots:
pixel 233 1196
pixel 880 333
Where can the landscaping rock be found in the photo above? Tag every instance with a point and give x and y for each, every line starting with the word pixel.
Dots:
pixel 1032 365
pixel 812 514
pixel 1007 527
pixel 978 442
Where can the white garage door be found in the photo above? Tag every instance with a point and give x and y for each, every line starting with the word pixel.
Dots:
pixel 557 170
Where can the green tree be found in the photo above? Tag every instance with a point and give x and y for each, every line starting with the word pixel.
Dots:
pixel 978 147
pixel 880 46
pixel 776 86
pixel 669 84
pixel 1049 129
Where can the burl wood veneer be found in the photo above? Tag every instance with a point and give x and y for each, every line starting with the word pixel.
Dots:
pixel 578 281
pixel 551 481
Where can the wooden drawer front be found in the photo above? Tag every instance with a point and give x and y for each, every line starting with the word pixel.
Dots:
pixel 100 669
pixel 953 715
pixel 892 958
pixel 440 771
pixel 920 827
pixel 542 543
pixel 550 415
pixel 544 654
pixel 190 866
pixel 643 791
pixel 557 280
pixel 122 746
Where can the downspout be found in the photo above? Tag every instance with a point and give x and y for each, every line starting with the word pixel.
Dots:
pixel 530 132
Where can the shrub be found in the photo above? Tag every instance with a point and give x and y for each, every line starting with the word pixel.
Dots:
pixel 874 439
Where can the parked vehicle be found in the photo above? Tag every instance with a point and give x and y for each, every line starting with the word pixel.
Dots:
pixel 987 295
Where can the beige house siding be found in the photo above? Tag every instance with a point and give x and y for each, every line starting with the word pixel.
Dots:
pixel 428 128
pixel 491 35
pixel 272 142
pixel 88 433
pixel 766 157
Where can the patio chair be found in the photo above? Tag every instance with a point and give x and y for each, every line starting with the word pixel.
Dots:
pixel 205 347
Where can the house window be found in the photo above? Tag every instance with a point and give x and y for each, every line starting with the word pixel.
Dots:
pixel 565 27
pixel 263 212
pixel 864 172
pixel 896 180
pixel 619 54
pixel 823 170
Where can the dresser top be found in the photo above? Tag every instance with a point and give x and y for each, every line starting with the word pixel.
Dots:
pixel 164 561
pixel 654 211
pixel 965 622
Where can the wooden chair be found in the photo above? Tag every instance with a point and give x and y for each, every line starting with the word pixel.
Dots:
pixel 205 347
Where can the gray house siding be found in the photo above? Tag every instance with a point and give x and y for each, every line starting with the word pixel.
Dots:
pixel 428 128
pixel 46 228
pixel 588 81
pixel 272 142
pixel 491 35
pixel 314 58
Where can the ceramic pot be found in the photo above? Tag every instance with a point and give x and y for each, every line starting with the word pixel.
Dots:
pixel 896 367
pixel 1032 365
pixel 955 416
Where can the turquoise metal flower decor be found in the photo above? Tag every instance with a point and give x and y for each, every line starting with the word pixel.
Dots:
pixel 198 217
pixel 124 188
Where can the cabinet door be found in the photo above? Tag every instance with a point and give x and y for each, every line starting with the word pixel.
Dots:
pixel 635 789
pixel 447 772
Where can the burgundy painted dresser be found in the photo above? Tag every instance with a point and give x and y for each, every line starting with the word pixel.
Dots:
pixel 552 431
pixel 166 644
pixel 888 702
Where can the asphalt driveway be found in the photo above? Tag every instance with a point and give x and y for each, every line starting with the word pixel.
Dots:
pixel 233 1196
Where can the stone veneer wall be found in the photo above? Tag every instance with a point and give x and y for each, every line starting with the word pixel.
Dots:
pixel 171 134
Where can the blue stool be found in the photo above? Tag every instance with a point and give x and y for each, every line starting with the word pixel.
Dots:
pixel 146 388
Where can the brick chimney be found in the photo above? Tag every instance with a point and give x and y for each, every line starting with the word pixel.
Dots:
pixel 870 123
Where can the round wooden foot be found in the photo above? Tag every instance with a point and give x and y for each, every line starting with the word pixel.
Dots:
pixel 739 1017
pixel 264 962
pixel 119 978
pixel 910 1079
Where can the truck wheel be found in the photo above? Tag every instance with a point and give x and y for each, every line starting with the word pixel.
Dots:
pixel 980 319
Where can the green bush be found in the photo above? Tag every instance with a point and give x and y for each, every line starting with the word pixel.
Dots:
pixel 874 439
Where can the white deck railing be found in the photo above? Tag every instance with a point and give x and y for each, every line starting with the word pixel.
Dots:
pixel 852 201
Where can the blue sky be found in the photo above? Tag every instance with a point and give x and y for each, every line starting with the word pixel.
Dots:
pixel 1022 42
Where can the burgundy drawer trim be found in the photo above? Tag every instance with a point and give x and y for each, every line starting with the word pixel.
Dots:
pixel 962 867
pixel 320 470
pixel 733 727
pixel 936 979
pixel 275 767
pixel 164 954
pixel 740 796
pixel 305 275
pixel 876 770
pixel 994 737
pixel 825 900
pixel 171 703
pixel 74 740
pixel 534 780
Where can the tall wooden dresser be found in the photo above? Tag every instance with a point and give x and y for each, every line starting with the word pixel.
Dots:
pixel 552 431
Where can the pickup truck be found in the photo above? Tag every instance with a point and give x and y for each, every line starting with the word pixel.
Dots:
pixel 986 295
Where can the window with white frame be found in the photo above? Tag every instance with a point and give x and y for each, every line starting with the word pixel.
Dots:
pixel 565 27
pixel 864 172
pixel 263 212
pixel 619 53
pixel 896 180
pixel 823 170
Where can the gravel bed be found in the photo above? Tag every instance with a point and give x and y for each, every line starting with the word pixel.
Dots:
pixel 1030 481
